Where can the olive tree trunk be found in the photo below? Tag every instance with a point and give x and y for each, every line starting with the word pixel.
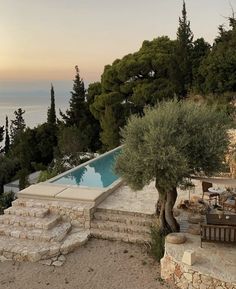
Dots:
pixel 164 209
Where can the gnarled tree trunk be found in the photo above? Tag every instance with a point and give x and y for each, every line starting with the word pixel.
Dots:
pixel 164 210
pixel 169 205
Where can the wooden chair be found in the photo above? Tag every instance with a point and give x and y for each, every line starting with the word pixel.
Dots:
pixel 211 196
pixel 230 204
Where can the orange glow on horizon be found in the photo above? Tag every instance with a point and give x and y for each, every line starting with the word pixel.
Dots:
pixel 44 40
pixel 46 74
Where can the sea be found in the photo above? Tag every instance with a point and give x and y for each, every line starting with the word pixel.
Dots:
pixel 33 98
pixel 35 108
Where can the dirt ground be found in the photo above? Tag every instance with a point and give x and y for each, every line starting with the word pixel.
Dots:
pixel 100 264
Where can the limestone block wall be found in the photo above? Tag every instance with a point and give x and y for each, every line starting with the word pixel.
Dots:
pixel 78 214
pixel 186 278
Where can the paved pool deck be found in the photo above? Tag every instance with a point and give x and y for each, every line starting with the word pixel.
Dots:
pixel 143 201
pixel 125 199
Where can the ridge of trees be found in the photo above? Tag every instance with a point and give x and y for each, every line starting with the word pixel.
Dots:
pixel 161 70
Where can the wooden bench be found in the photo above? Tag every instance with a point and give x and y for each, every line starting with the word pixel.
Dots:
pixel 219 228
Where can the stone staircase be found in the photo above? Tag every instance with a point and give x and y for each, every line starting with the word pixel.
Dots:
pixel 31 232
pixel 121 225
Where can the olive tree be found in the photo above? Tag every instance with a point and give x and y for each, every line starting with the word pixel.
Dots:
pixel 169 144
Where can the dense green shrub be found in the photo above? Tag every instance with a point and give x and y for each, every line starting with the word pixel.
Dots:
pixel 157 242
pixel 5 200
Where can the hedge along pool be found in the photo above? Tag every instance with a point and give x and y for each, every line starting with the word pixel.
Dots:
pixel 96 173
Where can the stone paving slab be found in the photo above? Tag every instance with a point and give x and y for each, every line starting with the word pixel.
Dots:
pixel 80 194
pixel 41 190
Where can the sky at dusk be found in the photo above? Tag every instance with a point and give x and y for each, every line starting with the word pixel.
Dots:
pixel 42 41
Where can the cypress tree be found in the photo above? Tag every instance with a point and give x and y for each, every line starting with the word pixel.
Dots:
pixel 52 110
pixel 183 65
pixel 18 124
pixel 1 135
pixel 7 138
pixel 79 116
pixel 76 114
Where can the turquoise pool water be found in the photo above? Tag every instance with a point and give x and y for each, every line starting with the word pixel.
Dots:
pixel 99 173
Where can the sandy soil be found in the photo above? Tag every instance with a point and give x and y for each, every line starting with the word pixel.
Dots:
pixel 100 264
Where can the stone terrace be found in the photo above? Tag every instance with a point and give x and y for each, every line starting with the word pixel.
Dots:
pixel 215 266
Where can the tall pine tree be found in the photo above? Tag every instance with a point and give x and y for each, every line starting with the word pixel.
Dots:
pixel 183 61
pixel 52 109
pixel 7 138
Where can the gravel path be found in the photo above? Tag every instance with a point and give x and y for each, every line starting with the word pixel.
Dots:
pixel 100 264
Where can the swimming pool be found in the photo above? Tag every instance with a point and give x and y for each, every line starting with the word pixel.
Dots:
pixel 96 173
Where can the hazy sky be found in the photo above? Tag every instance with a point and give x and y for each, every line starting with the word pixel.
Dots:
pixel 42 41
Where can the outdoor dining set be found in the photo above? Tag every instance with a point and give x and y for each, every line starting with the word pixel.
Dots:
pixel 220 221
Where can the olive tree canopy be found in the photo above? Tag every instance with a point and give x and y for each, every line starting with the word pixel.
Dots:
pixel 170 143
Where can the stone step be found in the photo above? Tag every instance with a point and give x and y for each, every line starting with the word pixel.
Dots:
pixel 119 227
pixel 27 250
pixel 56 234
pixel 26 211
pixel 125 237
pixel 125 219
pixel 77 237
pixel 31 250
pixel 125 213
pixel 27 203
pixel 45 223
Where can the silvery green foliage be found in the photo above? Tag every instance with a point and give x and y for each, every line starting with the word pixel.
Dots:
pixel 171 142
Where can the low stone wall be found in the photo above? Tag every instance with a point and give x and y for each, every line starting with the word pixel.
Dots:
pixel 78 214
pixel 187 278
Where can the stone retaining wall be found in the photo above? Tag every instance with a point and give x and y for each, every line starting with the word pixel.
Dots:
pixel 186 278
